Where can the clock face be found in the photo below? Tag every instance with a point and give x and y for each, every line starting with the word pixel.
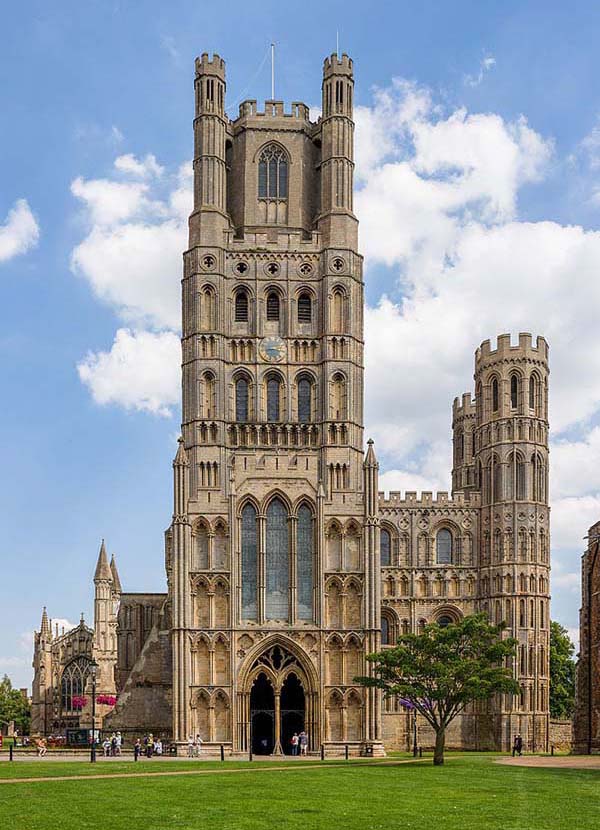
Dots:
pixel 272 349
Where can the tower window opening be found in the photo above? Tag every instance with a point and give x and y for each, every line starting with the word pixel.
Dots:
pixel 495 397
pixel 272 306
pixel 304 308
pixel 241 400
pixel 443 546
pixel 241 307
pixel 532 392
pixel 514 391
pixel 385 547
pixel 273 396
pixel 304 400
pixel 272 173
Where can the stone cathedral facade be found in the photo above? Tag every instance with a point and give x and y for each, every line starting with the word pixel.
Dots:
pixel 285 566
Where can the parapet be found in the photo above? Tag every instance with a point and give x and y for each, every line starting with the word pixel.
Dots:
pixel 335 65
pixel 463 408
pixel 427 500
pixel 274 109
pixel 210 66
pixel 505 351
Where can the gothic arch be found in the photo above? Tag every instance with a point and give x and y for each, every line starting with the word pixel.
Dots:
pixel 246 671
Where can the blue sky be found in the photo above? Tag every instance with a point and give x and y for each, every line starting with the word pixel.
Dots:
pixel 481 158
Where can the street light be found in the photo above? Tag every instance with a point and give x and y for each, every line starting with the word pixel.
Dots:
pixel 93 672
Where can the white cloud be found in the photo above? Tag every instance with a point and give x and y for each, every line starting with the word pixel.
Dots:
pixel 140 372
pixel 488 62
pixel 144 168
pixel 20 232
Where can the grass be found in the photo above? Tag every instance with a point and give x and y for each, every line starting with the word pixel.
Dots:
pixel 468 792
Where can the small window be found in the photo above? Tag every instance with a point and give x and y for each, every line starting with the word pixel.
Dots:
pixel 514 391
pixel 273 386
pixel 444 621
pixel 273 306
pixel 385 631
pixel 444 547
pixel 304 308
pixel 241 307
pixel 495 395
pixel 241 400
pixel 304 400
pixel 385 547
pixel 532 392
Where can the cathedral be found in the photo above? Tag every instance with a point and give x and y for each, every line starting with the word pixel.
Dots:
pixel 285 566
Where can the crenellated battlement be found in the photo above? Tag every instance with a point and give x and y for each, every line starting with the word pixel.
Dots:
pixel 506 351
pixel 463 407
pixel 210 66
pixel 274 109
pixel 334 65
pixel 427 499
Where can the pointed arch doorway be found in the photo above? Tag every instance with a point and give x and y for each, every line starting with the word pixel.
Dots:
pixel 278 703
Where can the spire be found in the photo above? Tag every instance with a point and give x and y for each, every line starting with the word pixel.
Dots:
pixel 45 626
pixel 115 576
pixel 81 621
pixel 102 568
pixel 370 458
pixel 181 459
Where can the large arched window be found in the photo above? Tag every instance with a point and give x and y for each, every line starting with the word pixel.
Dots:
pixel 495 395
pixel 241 400
pixel 532 391
pixel 273 173
pixel 304 565
pixel 514 391
pixel 385 631
pixel 241 307
pixel 304 308
pixel 73 683
pixel 277 563
pixel 304 400
pixel 385 547
pixel 273 399
pixel 443 547
pixel 249 563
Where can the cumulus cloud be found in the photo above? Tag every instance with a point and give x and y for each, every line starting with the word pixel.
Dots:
pixel 144 168
pixel 20 232
pixel 140 372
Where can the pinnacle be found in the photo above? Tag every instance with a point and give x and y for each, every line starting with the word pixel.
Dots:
pixel 370 458
pixel 45 626
pixel 115 576
pixel 181 458
pixel 103 572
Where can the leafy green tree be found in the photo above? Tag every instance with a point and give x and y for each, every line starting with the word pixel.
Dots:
pixel 562 672
pixel 441 670
pixel 13 706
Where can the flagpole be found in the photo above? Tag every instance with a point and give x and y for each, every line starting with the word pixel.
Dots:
pixel 272 71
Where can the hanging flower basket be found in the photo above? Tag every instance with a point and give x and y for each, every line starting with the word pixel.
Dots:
pixel 106 700
pixel 79 701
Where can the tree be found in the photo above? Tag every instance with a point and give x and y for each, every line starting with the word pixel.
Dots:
pixel 562 672
pixel 13 706
pixel 442 670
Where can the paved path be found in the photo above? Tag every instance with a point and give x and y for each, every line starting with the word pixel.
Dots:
pixel 213 771
pixel 554 761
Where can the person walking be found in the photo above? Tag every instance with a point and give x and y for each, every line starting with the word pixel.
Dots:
pixel 517 745
pixel 198 746
pixel 42 748
pixel 190 746
pixel 295 740
pixel 303 743
pixel 119 744
pixel 150 745
pixel 137 749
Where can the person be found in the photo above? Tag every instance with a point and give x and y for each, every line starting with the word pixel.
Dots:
pixel 137 749
pixel 150 745
pixel 158 747
pixel 190 746
pixel 198 745
pixel 106 747
pixel 42 749
pixel 118 745
pixel 303 743
pixel 295 740
pixel 517 745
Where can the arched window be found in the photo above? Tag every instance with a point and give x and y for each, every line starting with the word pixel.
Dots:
pixel 249 563
pixel 208 395
pixel 304 554
pixel 304 308
pixel 241 400
pixel 272 173
pixel 532 391
pixel 241 307
pixel 514 391
pixel 443 547
pixel 304 400
pixel 337 310
pixel 273 399
pixel 444 621
pixel 73 683
pixel 277 563
pixel 338 397
pixel 273 306
pixel 207 308
pixel 385 546
pixel 200 549
pixel 385 631
pixel 495 397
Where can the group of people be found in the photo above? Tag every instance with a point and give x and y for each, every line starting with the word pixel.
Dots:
pixel 112 745
pixel 299 743
pixel 194 746
pixel 147 746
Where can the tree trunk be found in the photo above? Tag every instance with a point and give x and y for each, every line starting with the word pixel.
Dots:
pixel 440 742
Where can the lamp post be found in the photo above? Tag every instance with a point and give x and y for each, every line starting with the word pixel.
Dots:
pixel 415 748
pixel 93 671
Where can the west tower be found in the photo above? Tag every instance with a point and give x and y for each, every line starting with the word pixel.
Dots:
pixel 272 557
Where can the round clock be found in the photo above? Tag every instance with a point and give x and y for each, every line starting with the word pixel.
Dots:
pixel 272 349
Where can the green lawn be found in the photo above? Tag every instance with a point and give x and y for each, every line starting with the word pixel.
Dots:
pixel 468 792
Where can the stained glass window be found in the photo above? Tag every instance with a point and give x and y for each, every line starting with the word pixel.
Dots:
pixel 241 400
pixel 304 553
pixel 277 562
pixel 73 682
pixel 444 547
pixel 304 400
pixel 385 631
pixel 249 570
pixel 385 546
pixel 273 400
pixel 272 173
